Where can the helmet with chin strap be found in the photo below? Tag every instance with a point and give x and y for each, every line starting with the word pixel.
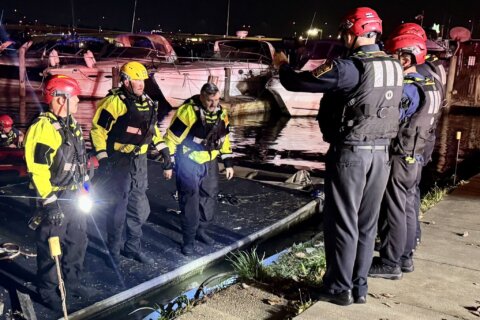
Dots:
pixel 410 28
pixel 362 22
pixel 408 43
pixel 133 70
pixel 60 86
pixel 6 122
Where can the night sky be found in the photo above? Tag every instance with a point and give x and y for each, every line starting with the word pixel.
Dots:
pixel 265 17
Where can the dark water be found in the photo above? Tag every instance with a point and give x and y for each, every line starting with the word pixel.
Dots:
pixel 287 144
pixel 282 144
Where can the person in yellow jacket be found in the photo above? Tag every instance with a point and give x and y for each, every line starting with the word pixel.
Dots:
pixel 197 136
pixel 56 161
pixel 124 126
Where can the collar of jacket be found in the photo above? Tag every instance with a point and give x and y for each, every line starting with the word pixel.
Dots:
pixel 131 96
pixel 198 105
pixel 367 48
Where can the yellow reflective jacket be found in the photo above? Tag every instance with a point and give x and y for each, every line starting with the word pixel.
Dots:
pixel 55 156
pixel 198 134
pixel 126 125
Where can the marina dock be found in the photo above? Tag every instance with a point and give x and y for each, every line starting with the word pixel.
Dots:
pixel 249 211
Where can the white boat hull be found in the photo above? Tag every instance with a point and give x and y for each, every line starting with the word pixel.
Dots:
pixel 295 104
pixel 177 82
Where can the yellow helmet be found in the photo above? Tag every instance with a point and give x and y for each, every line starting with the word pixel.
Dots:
pixel 134 70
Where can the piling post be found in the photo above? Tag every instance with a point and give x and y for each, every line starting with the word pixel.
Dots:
pixel 115 77
pixel 226 91
pixel 450 81
pixel 22 69
pixel 458 136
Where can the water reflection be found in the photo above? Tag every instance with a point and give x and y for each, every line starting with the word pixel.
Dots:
pixel 467 121
pixel 281 143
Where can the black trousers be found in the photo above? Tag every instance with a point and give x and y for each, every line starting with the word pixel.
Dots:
pixel 416 201
pixel 398 238
pixel 197 186
pixel 354 184
pixel 128 182
pixel 73 240
pixel 427 157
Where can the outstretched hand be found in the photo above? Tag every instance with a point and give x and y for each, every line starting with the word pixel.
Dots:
pixel 279 58
pixel 229 173
pixel 167 174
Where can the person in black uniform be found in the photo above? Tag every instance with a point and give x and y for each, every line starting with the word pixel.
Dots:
pixel 433 69
pixel 56 160
pixel 420 104
pixel 197 136
pixel 358 116
pixel 9 135
pixel 124 126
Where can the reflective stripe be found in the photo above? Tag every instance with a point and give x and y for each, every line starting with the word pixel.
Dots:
pixel 434 97
pixel 160 146
pixel 50 199
pixel 227 155
pixel 390 72
pixel 102 155
pixel 378 74
pixel 56 125
pixel 68 166
pixel 372 147
pixel 443 74
pixel 438 101
pixel 399 74
pixel 134 130
pixel 197 140
pixel 430 98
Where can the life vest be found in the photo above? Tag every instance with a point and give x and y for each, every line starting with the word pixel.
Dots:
pixel 137 125
pixel 209 131
pixel 416 131
pixel 434 69
pixel 371 111
pixel 7 139
pixel 70 161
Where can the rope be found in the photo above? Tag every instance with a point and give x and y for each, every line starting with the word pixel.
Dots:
pixel 9 251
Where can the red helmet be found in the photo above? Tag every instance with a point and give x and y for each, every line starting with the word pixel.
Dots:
pixel 361 21
pixel 408 43
pixel 410 28
pixel 60 85
pixel 5 121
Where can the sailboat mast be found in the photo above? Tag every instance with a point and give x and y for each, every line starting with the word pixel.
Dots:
pixel 133 19
pixel 228 17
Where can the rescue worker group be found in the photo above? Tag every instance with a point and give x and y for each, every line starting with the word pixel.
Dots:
pixel 379 114
pixel 123 128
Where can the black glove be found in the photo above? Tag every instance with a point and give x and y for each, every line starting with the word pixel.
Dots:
pixel 167 161
pixel 54 214
pixel 103 166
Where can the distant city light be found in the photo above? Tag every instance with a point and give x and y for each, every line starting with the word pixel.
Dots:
pixel 313 32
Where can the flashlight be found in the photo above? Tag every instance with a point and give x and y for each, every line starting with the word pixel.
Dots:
pixel 84 200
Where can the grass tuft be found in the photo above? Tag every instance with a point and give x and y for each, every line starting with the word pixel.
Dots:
pixel 305 262
pixel 248 264
pixel 434 196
